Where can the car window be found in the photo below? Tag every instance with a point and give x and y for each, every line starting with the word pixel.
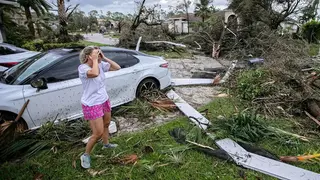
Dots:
pixel 65 70
pixel 124 59
pixel 22 71
pixel 5 51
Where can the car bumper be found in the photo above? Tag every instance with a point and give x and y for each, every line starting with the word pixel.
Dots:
pixel 165 81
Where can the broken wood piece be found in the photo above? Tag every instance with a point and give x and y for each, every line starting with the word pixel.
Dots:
pixel 189 111
pixel 199 48
pixel 138 44
pixel 165 42
pixel 228 73
pixel 303 158
pixel 264 165
pixel 191 81
pixel 312 118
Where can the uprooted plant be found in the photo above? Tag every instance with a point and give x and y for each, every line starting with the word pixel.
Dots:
pixel 250 127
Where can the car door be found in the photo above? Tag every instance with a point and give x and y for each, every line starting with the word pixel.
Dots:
pixel 121 84
pixel 61 100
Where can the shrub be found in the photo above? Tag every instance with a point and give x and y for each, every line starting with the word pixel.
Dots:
pixel 251 84
pixel 17 35
pixel 39 45
pixel 35 45
pixel 311 31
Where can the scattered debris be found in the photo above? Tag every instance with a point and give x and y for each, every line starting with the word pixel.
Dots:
pixel 138 44
pixel 129 159
pixel 304 158
pixel 165 42
pixel 193 81
pixel 11 128
pixel 312 118
pixel 264 165
pixel 189 111
pixel 163 105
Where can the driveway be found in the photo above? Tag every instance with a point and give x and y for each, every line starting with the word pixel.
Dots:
pixel 99 38
pixel 196 96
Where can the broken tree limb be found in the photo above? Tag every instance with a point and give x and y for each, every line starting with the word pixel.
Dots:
pixel 138 44
pixel 312 118
pixel 199 46
pixel 165 42
pixel 228 73
pixel 264 165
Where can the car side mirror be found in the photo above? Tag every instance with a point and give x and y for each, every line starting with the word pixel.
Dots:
pixel 39 84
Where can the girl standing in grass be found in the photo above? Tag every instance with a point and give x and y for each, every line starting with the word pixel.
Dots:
pixel 95 100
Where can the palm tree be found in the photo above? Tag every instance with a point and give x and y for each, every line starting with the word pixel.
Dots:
pixel 202 9
pixel 39 6
pixel 7 8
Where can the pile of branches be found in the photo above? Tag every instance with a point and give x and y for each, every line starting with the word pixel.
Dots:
pixel 129 38
pixel 289 74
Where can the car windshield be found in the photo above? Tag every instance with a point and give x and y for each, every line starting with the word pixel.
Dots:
pixel 29 68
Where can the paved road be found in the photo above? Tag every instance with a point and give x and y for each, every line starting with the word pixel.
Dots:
pixel 98 38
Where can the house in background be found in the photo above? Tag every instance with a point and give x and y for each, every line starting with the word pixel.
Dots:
pixel 289 26
pixel 179 24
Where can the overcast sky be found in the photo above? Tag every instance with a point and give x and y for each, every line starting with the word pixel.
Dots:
pixel 128 6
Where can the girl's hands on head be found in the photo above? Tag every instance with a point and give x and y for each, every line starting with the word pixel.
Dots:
pixel 94 56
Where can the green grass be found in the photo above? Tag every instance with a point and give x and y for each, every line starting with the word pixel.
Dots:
pixel 169 54
pixel 88 43
pixel 194 165
pixel 314 49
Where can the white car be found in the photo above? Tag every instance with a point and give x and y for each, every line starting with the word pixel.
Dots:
pixel 50 81
pixel 11 55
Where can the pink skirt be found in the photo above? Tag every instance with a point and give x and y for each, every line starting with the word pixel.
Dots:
pixel 97 111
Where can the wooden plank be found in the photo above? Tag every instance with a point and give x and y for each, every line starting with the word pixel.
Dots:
pixel 265 165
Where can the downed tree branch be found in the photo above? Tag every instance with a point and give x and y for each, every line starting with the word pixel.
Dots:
pixel 165 42
pixel 312 118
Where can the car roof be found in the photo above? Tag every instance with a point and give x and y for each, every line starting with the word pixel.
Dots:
pixel 12 46
pixel 69 50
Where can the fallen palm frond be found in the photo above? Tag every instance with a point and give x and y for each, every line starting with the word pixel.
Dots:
pixel 163 105
pixel 250 127
pixel 128 159
pixel 10 129
pixel 307 158
pixel 49 136
pixel 283 132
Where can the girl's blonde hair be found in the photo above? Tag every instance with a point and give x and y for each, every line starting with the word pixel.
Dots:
pixel 85 53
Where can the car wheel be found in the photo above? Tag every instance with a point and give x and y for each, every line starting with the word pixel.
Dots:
pixel 146 86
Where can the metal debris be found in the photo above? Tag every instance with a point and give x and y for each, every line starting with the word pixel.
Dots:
pixel 188 110
pixel 193 81
pixel 265 165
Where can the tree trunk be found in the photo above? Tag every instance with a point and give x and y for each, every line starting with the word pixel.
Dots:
pixel 203 19
pixel 29 20
pixel 2 30
pixel 64 36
